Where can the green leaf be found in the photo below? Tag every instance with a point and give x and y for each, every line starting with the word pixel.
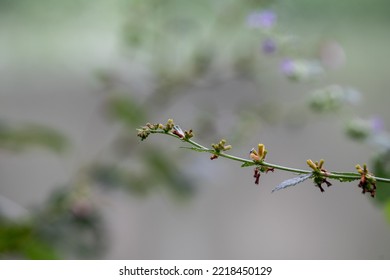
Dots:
pixel 31 135
pixel 381 168
pixel 292 182
pixel 22 239
pixel 126 110
pixel 170 175
pixel 113 176
pixel 247 164
pixel 195 149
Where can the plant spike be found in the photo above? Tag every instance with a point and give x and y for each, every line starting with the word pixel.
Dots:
pixel 257 159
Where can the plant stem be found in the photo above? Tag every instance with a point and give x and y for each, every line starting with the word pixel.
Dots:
pixel 346 176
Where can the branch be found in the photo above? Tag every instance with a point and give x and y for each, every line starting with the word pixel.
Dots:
pixel 318 174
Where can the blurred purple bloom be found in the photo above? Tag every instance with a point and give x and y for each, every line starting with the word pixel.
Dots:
pixel 377 124
pixel 300 69
pixel 268 46
pixel 287 67
pixel 263 19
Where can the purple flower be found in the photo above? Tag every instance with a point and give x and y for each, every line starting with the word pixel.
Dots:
pixel 287 67
pixel 268 46
pixel 300 69
pixel 264 19
pixel 377 124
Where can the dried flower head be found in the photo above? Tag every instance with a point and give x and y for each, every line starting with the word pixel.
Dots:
pixel 367 181
pixel 319 173
pixel 258 155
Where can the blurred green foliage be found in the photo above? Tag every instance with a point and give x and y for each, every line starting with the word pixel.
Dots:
pixel 65 226
pixel 157 174
pixel 184 41
pixel 381 168
pixel 179 43
pixel 20 138
pixel 71 223
pixel 126 110
pixel 22 241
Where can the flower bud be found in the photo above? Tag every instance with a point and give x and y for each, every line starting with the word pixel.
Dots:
pixel 261 150
pixel 311 164
pixel 188 134
pixel 253 151
pixel 169 126
pixel 254 157
pixel 359 169
pixel 227 147
pixel 178 131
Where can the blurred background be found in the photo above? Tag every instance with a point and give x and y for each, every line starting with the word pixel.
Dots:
pixel 77 78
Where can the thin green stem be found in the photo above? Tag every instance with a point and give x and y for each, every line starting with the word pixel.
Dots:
pixel 348 176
